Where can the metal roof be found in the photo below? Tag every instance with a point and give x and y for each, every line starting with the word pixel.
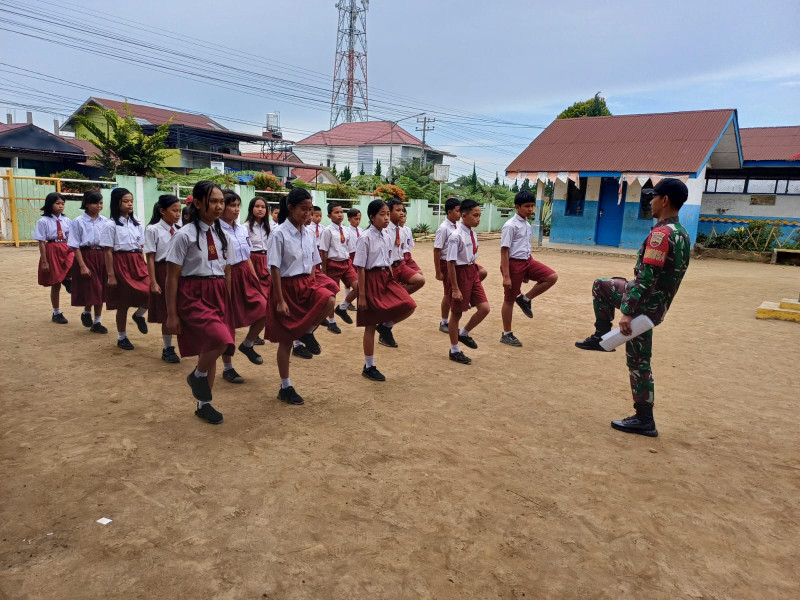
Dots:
pixel 770 143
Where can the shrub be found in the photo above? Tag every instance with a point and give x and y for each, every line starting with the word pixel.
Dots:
pixel 388 191
pixel 266 181
pixel 71 187
pixel 422 229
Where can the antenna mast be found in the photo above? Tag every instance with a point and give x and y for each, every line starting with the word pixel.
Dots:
pixel 349 100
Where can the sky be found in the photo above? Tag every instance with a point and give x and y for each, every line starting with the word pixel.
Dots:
pixel 493 74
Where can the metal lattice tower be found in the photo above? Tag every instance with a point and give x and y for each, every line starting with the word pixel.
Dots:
pixel 349 101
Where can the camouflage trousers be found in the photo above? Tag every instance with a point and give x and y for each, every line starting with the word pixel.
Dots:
pixel 607 295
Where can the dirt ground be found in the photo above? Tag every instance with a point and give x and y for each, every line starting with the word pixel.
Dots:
pixel 498 480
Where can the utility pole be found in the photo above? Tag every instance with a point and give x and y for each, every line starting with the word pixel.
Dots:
pixel 424 129
pixel 393 124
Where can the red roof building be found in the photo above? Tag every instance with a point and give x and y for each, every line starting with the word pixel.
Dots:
pixel 770 144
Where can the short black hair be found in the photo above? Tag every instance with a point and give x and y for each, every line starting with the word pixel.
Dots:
pixel 524 197
pixel 331 206
pixel 467 205
pixel 316 209
pixel 394 202
pixel 452 203
pixel 353 212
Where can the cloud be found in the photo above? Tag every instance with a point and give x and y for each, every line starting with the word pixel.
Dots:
pixel 789 84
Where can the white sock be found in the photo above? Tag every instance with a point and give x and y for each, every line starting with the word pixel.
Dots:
pixel 56 311
pixel 140 312
pixel 370 361
pixel 199 373
pixel 297 343
pixel 167 340
pixel 463 331
pixel 121 335
pixel 343 305
pixel 445 322
pixel 347 291
pixel 455 348
pixel 201 404
pixel 506 333
pixel 86 312
pixel 389 324
pixel 331 319
pixel 227 366
pixel 97 319
pixel 247 343
pixel 285 383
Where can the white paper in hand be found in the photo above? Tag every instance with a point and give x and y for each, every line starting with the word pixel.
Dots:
pixel 615 338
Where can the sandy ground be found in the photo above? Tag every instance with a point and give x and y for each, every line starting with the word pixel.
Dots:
pixel 499 480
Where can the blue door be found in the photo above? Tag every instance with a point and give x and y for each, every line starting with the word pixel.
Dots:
pixel 609 215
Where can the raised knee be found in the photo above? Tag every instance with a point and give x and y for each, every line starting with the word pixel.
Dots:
pixel 553 278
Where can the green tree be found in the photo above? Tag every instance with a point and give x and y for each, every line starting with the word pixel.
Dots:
pixel 123 148
pixel 515 187
pixel 345 174
pixel 496 178
pixel 378 168
pixel 333 170
pixel 593 107
pixel 361 171
pixel 526 185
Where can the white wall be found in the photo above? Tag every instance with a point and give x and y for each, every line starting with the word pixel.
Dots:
pixel 696 186
pixel 739 204
pixel 343 156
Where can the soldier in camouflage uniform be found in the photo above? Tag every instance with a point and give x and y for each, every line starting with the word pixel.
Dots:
pixel 661 265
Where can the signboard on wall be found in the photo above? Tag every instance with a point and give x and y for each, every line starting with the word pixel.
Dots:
pixel 218 165
pixel 441 172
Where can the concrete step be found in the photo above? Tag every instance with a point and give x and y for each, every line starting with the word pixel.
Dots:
pixel 790 304
pixel 773 310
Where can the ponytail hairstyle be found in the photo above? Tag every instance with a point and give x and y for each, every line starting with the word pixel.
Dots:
pixel 374 208
pixel 91 197
pixel 164 202
pixel 202 192
pixel 293 198
pixel 118 194
pixel 251 218
pixel 50 199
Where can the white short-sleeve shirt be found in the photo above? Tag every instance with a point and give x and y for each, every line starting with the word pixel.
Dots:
pixel 240 248
pixel 157 238
pixel 332 242
pixel 516 236
pixel 128 236
pixel 409 239
pixel 47 229
pixel 86 231
pixel 443 232
pixel 397 250
pixel 194 261
pixel 460 246
pixel 355 235
pixel 293 252
pixel 373 249
pixel 316 230
pixel 258 236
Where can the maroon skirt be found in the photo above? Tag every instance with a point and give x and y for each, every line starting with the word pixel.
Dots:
pixel 411 262
pixel 202 305
pixel 157 308
pixel 262 270
pixel 248 303
pixel 342 270
pixel 59 257
pixel 387 300
pixel 89 291
pixel 469 283
pixel 306 298
pixel 133 282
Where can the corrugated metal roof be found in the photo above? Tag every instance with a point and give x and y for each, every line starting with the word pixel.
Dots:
pixel 770 143
pixel 364 133
pixel 662 143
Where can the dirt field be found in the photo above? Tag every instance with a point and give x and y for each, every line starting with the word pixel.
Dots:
pixel 499 480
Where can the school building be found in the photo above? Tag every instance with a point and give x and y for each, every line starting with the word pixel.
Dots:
pixel 604 167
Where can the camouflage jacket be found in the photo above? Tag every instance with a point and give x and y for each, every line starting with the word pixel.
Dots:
pixel 662 263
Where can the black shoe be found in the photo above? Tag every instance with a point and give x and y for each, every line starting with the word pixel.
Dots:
pixel 68 285
pixel 642 422
pixel 510 339
pixel 333 327
pixel 98 328
pixel 168 355
pixel 351 308
pixel 141 323
pixel 373 373
pixel 342 313
pixel 467 341
pixel 259 341
pixel 460 357
pixel 125 344
pixel 86 319
pixel 302 352
pixel 592 343
pixel 209 414
pixel 525 305
pixel 251 354
pixel 289 396
pixel 311 343
pixel 385 336
pixel 232 376
pixel 59 318
pixel 444 327
pixel 199 385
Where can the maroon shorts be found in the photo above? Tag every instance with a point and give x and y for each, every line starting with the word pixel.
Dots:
pixel 133 282
pixel 402 272
pixel 203 308
pixel 306 297
pixel 248 303
pixel 524 271
pixel 387 300
pixel 470 286
pixel 342 270
pixel 91 290
pixel 411 262
pixel 59 258
pixel 157 308
pixel 262 271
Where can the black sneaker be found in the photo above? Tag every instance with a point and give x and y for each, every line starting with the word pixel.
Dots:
pixel 510 339
pixel 168 355
pixel 289 396
pixel 642 422
pixel 311 343
pixel 302 352
pixel 525 305
pixel 259 341
pixel 251 354
pixel 460 357
pixel 68 285
pixel 141 323
pixel 333 328
pixel 444 327
pixel 342 313
pixel 98 328
pixel 125 344
pixel 59 318
pixel 86 319
pixel 467 341
pixel 351 307
pixel 592 343
pixel 373 373
pixel 199 385
pixel 385 336
pixel 209 414
pixel 231 376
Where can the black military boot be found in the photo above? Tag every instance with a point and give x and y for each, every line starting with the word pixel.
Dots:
pixel 593 343
pixel 642 422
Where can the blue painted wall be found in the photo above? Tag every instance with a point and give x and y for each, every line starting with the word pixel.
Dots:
pixel 568 229
pixel 634 229
pixel 721 226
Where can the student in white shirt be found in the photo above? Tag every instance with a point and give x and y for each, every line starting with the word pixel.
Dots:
pixel 128 282
pixel 465 277
pixel 316 226
pixel 157 238
pixel 198 280
pixel 453 211
pixel 354 218
pixel 336 264
pixel 258 230
pixel 274 217
pixel 517 265
pixel 410 262
pixel 89 269
pixel 55 256
pixel 397 233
